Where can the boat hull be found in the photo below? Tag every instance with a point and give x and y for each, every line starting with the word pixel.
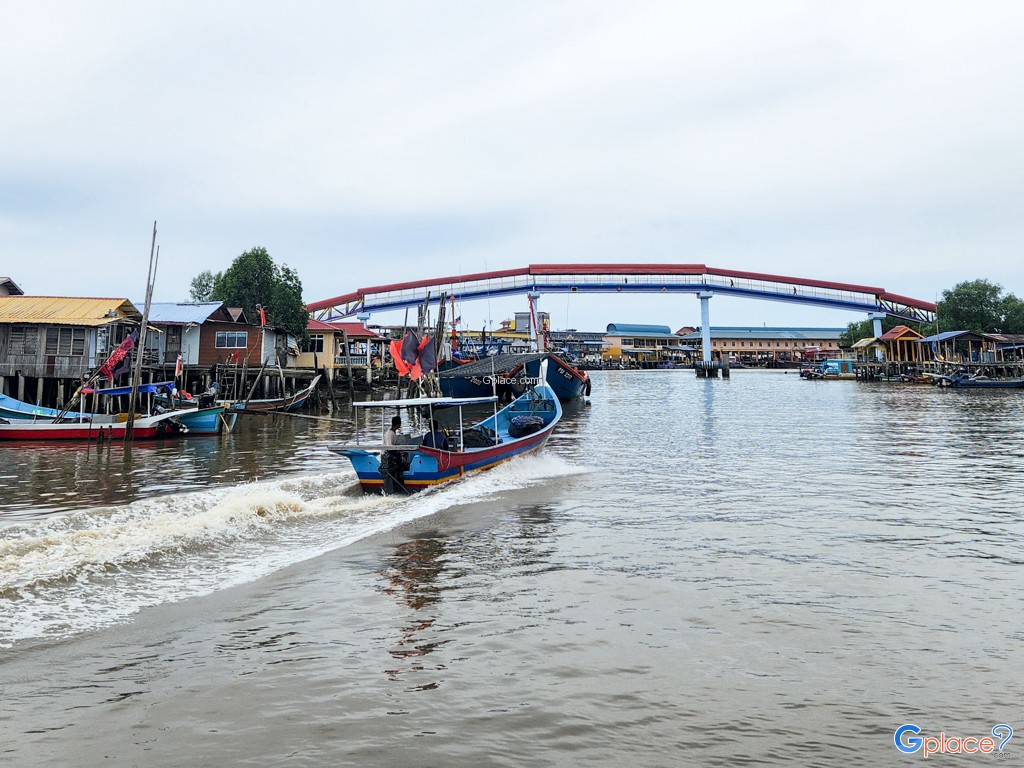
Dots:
pixel 567 382
pixel 431 466
pixel 960 382
pixel 145 427
pixel 206 421
pixel 16 410
pixel 291 403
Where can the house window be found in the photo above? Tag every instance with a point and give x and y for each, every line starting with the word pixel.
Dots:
pixel 23 339
pixel 315 343
pixel 232 339
pixel 66 342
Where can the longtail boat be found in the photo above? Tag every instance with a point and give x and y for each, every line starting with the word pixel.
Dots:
pixel 290 403
pixel 521 427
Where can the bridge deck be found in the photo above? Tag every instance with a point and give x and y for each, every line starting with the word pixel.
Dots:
pixel 627 278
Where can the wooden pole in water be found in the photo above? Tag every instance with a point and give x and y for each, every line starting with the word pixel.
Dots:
pixel 154 259
pixel 348 365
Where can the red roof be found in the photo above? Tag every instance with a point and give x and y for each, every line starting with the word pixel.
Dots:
pixel 899 332
pixel 354 330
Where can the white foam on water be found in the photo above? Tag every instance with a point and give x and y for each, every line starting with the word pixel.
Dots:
pixel 92 568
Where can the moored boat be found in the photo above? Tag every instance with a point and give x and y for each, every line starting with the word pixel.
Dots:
pixel 831 370
pixel 12 409
pixel 289 403
pixel 206 421
pixel 521 427
pixel 100 426
pixel 512 375
pixel 975 382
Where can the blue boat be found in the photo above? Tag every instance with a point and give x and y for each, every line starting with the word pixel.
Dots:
pixel 206 421
pixel 831 370
pixel 508 376
pixel 16 410
pixel 198 417
pixel 521 427
pixel 975 382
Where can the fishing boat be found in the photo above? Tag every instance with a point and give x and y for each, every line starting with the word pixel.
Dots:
pixel 839 369
pixel 206 421
pixel 511 375
pixel 199 418
pixel 98 426
pixel 521 427
pixel 16 410
pixel 975 382
pixel 290 403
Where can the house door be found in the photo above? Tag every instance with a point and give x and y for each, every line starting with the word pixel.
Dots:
pixel 173 348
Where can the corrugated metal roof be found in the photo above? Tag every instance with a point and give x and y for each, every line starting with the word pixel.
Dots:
pixel 899 332
pixel 862 343
pixel 967 335
pixel 631 329
pixel 354 330
pixel 798 334
pixel 12 287
pixel 183 313
pixel 62 310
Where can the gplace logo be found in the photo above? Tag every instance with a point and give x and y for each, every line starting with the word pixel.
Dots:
pixel 908 741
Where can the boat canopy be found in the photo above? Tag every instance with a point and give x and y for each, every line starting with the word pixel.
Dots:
pixel 434 401
pixel 156 386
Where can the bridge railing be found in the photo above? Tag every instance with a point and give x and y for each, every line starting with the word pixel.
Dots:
pixel 750 284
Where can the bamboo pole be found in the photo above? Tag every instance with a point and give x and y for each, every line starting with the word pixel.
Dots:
pixel 348 365
pixel 154 259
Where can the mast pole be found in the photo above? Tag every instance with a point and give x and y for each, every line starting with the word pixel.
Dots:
pixel 154 258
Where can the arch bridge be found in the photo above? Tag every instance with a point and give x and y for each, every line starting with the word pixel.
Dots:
pixel 699 279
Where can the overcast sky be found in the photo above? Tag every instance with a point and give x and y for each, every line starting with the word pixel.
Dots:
pixel 365 143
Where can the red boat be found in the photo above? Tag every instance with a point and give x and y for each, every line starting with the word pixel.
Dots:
pixel 91 427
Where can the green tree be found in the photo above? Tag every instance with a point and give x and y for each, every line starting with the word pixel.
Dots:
pixel 254 280
pixel 1013 314
pixel 286 304
pixel 204 285
pixel 976 305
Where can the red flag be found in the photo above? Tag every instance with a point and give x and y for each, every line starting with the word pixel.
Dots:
pixel 177 368
pixel 396 355
pixel 263 314
pixel 126 346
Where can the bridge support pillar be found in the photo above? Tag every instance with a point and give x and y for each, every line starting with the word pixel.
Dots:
pixel 364 318
pixel 705 325
pixel 876 318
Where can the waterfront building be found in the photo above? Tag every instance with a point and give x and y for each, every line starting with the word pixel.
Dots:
pixel 207 333
pixel 961 347
pixel 48 343
pixel 761 344
pixel 902 345
pixel 577 345
pixel 644 345
pixel 325 348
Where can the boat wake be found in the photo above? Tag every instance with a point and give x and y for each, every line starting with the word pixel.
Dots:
pixel 92 568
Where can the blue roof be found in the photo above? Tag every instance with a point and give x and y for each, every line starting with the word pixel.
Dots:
pixel 629 329
pixel 946 335
pixel 183 313
pixel 119 391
